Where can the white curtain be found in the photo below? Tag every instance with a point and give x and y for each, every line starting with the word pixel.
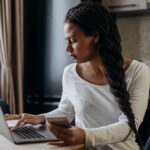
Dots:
pixel 11 53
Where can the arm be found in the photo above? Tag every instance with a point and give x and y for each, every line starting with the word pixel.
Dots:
pixel 119 131
pixel 65 107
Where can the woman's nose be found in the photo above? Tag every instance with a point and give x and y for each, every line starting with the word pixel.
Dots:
pixel 68 48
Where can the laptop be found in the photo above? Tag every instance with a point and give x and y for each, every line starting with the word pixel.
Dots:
pixel 25 134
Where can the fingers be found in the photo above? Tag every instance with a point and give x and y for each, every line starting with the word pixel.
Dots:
pixel 66 131
pixel 24 120
pixel 60 133
pixel 57 143
pixel 28 119
pixel 12 116
pixel 19 123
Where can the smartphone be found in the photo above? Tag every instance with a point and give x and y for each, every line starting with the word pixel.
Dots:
pixel 60 121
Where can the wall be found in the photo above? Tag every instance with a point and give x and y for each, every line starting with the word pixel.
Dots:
pixel 45 57
pixel 135 33
pixel 55 56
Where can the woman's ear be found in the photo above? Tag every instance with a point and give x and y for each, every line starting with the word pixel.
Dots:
pixel 96 37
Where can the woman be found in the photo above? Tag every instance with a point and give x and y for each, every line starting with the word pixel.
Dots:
pixel 105 92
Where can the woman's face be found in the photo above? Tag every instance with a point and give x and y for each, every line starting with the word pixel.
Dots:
pixel 79 46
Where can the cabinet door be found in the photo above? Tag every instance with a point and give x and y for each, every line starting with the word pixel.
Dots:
pixel 125 5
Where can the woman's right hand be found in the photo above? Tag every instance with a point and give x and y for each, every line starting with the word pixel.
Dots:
pixel 26 119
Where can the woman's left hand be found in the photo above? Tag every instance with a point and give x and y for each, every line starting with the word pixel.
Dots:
pixel 67 136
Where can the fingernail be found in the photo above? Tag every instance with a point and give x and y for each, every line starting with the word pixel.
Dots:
pixel 22 124
pixel 12 129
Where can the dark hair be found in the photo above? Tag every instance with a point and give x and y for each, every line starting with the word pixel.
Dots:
pixel 92 17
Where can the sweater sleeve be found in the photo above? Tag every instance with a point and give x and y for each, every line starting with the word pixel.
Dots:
pixel 120 130
pixel 65 107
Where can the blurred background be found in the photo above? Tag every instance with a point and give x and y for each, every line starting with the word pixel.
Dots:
pixel 32 56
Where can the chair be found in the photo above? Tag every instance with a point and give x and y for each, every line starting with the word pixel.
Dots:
pixel 4 106
pixel 147 145
pixel 144 129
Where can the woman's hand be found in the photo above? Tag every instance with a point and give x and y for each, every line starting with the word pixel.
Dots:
pixel 25 119
pixel 67 136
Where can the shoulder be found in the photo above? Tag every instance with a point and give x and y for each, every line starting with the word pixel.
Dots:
pixel 138 72
pixel 69 72
pixel 137 67
pixel 69 77
pixel 69 69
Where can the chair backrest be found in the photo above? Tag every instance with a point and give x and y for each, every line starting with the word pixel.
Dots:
pixel 147 145
pixel 4 106
pixel 144 129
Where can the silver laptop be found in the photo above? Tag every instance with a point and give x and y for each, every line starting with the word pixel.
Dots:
pixel 25 134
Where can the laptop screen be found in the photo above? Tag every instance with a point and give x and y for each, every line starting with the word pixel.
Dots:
pixel 4 130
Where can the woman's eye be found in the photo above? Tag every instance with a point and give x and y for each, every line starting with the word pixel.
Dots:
pixel 73 41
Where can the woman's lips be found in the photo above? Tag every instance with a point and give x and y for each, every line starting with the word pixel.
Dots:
pixel 72 56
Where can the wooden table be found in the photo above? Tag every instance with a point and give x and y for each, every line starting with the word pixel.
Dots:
pixel 5 144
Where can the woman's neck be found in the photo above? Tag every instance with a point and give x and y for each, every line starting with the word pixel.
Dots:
pixel 95 66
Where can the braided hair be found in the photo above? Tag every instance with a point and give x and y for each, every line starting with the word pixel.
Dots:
pixel 110 51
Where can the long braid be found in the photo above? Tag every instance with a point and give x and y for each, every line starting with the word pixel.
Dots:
pixel 115 74
pixel 111 55
pixel 110 51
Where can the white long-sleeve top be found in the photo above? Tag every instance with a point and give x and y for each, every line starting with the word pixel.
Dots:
pixel 97 112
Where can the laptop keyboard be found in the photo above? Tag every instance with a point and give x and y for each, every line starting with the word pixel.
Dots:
pixel 27 133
